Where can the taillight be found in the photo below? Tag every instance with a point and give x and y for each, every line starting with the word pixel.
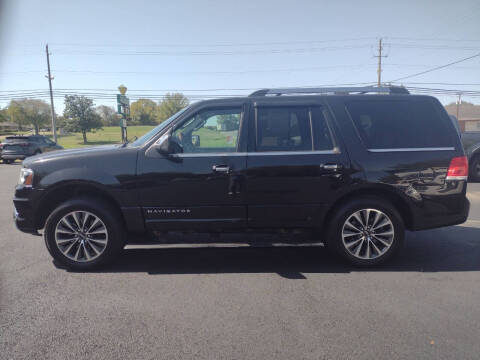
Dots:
pixel 458 169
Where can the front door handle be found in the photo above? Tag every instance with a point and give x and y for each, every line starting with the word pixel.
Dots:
pixel 332 167
pixel 221 168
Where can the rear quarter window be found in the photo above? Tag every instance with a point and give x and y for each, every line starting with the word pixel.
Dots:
pixel 399 124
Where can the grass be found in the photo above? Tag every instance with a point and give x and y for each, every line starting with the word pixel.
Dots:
pixel 108 135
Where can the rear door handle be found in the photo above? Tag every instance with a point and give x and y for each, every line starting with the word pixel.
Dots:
pixel 221 168
pixel 331 167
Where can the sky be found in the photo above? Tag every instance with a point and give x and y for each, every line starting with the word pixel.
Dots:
pixel 201 47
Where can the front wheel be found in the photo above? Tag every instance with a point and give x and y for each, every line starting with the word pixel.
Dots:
pixel 366 231
pixel 84 233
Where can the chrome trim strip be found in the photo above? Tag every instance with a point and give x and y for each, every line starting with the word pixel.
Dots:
pixel 218 245
pixel 413 149
pixel 260 153
pixel 324 152
pixel 449 178
pixel 207 154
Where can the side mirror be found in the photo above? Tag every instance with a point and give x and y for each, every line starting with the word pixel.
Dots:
pixel 166 146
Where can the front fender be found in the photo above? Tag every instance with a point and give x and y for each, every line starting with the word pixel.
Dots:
pixel 85 174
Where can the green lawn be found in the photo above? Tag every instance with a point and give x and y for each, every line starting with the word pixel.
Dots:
pixel 108 135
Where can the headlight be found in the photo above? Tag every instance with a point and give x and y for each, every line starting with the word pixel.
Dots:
pixel 26 177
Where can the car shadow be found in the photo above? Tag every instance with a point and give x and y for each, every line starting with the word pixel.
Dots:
pixel 442 250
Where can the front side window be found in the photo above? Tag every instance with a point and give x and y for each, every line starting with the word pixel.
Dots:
pixel 399 124
pixel 211 130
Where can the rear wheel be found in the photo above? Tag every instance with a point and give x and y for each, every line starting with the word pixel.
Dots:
pixel 7 161
pixel 84 233
pixel 475 169
pixel 366 232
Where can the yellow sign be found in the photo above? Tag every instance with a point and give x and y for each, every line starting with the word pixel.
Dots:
pixel 123 89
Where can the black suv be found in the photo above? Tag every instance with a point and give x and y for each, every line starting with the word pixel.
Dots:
pixel 352 168
pixel 20 147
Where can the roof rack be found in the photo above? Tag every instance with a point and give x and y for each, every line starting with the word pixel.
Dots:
pixel 333 90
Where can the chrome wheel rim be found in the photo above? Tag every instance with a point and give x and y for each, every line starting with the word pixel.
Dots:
pixel 368 234
pixel 81 236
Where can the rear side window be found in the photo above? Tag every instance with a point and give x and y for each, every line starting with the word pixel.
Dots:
pixel 399 124
pixel 288 128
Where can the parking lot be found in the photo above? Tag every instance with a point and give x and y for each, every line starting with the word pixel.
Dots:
pixel 247 303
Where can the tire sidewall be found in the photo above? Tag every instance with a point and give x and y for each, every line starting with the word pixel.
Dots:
pixel 473 174
pixel 335 234
pixel 116 233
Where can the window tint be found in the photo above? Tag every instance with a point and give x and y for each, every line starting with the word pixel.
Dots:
pixel 322 135
pixel 283 129
pixel 213 130
pixel 399 124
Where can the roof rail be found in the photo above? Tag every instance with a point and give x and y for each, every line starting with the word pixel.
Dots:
pixel 333 90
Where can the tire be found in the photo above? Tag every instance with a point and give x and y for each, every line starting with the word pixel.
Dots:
pixel 97 241
pixel 7 161
pixel 370 246
pixel 475 169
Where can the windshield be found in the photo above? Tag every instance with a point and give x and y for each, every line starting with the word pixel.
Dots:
pixel 143 139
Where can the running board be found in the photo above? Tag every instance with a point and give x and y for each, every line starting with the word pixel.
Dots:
pixel 216 245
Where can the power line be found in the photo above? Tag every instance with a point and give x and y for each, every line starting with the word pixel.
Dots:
pixel 176 45
pixel 437 68
pixel 210 53
pixel 432 39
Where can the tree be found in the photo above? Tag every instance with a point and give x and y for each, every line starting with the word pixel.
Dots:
pixel 29 111
pixel 80 115
pixel 172 104
pixel 144 112
pixel 108 115
pixel 228 122
pixel 3 115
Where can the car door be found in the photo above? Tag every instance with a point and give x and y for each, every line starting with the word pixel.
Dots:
pixel 295 163
pixel 202 186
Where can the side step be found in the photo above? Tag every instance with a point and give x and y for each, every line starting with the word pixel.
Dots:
pixel 217 245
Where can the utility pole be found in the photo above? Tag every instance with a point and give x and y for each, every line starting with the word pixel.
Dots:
pixel 50 78
pixel 379 69
pixel 459 101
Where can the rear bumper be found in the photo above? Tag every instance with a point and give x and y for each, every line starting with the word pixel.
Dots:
pixel 436 221
pixel 14 156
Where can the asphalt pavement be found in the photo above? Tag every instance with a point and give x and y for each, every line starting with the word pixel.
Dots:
pixel 247 303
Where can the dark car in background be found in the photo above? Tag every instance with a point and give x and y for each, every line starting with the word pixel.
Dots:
pixel 19 147
pixel 471 145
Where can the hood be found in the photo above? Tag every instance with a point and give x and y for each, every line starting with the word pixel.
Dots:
pixel 53 155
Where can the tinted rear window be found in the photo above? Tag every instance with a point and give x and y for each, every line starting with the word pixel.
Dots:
pixel 16 139
pixel 283 129
pixel 399 124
